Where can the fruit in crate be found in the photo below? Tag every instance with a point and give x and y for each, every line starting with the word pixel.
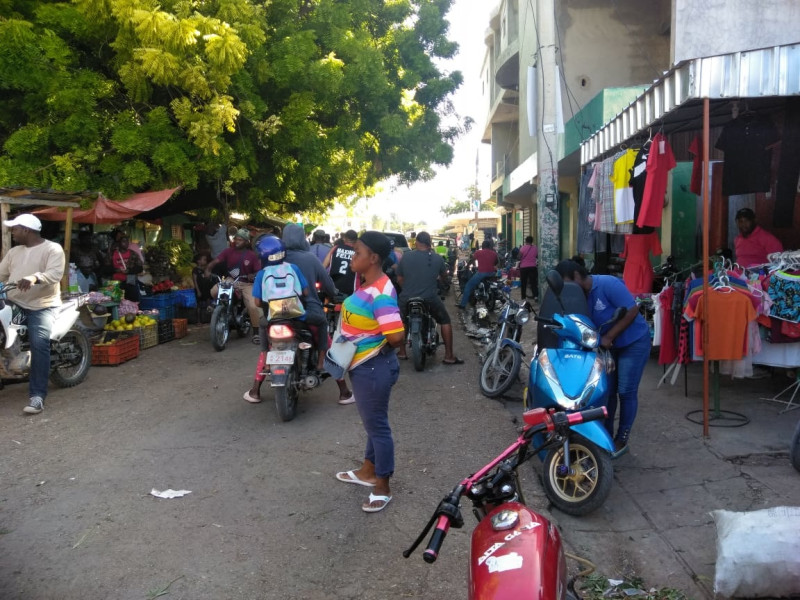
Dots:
pixel 123 324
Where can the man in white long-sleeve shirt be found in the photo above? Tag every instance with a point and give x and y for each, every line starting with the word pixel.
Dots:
pixel 36 265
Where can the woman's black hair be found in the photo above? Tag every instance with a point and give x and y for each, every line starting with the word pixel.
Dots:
pixel 529 239
pixel 568 268
pixel 579 260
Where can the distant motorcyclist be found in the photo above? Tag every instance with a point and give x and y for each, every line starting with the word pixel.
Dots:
pixel 419 273
pixel 487 260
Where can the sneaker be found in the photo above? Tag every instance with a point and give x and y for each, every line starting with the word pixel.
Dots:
pixel 349 400
pixel 35 406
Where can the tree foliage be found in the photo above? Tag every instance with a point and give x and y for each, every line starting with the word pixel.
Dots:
pixel 280 106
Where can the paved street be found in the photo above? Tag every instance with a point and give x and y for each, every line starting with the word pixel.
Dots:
pixel 266 518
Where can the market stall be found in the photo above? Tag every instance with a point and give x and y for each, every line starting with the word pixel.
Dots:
pixel 749 100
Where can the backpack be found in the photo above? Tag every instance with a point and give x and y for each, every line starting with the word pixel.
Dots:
pixel 281 291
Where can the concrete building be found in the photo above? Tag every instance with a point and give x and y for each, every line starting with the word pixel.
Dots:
pixel 608 54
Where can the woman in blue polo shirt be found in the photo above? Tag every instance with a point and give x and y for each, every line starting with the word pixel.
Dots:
pixel 628 339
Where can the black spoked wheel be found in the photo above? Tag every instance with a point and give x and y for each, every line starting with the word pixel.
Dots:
pixel 417 351
pixel 499 373
pixel 794 449
pixel 219 328
pixel 581 486
pixel 286 396
pixel 74 356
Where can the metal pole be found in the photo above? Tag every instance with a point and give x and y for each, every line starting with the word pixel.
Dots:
pixel 547 149
pixel 706 216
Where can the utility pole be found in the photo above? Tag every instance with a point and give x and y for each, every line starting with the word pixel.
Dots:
pixel 547 142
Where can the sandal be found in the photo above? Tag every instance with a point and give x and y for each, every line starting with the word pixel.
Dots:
pixel 350 477
pixel 251 399
pixel 455 361
pixel 347 399
pixel 256 339
pixel 384 500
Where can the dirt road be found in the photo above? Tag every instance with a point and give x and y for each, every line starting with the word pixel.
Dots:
pixel 265 517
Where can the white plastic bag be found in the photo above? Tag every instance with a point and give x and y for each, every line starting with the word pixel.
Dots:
pixel 758 553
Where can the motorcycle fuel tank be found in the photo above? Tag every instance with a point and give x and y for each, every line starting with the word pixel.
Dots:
pixel 516 554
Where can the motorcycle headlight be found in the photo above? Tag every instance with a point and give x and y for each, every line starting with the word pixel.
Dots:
pixel 589 337
pixel 522 317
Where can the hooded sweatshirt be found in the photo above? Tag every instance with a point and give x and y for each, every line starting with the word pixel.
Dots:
pixel 298 253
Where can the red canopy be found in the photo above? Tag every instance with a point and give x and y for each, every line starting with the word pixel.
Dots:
pixel 110 211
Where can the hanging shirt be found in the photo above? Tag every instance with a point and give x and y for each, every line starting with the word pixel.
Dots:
pixel 623 193
pixel 746 142
pixel 660 162
pixel 696 149
pixel 639 178
pixel 638 273
pixel 728 315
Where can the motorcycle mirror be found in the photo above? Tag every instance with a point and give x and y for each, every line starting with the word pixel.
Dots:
pixel 555 282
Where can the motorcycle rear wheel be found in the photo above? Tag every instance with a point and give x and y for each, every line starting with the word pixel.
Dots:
pixel 587 484
pixel 219 328
pixel 794 449
pixel 498 375
pixel 71 374
pixel 286 396
pixel 417 351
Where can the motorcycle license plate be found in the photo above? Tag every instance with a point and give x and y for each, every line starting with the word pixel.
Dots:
pixel 280 357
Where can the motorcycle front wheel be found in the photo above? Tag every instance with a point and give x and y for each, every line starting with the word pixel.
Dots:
pixel 417 351
pixel 581 486
pixel 286 396
pixel 243 323
pixel 74 358
pixel 219 328
pixel 499 373
pixel 794 449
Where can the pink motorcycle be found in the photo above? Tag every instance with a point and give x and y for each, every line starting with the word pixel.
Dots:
pixel 516 553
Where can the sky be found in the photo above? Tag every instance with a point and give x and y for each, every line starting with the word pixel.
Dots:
pixel 469 20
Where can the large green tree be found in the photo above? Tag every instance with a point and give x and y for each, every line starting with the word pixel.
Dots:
pixel 277 105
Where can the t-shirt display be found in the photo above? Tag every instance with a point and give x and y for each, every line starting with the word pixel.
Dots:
pixel 746 142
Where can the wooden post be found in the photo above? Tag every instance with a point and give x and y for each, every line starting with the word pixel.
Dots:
pixel 706 215
pixel 67 248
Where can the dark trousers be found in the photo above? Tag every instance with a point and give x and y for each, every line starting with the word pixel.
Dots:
pixel 529 275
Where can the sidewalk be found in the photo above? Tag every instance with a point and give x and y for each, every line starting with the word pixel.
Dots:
pixel 656 524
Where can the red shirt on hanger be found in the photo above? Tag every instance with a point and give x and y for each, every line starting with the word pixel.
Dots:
pixel 660 162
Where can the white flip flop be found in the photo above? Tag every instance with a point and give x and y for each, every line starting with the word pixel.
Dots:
pixel 375 498
pixel 250 398
pixel 350 477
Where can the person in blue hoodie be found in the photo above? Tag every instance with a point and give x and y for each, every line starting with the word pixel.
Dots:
pixel 298 253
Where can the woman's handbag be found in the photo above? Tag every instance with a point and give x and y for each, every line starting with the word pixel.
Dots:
pixel 340 354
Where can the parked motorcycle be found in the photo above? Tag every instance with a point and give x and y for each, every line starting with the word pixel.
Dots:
pixel 229 313
pixel 70 351
pixel 573 376
pixel 503 358
pixel 794 448
pixel 423 335
pixel 514 551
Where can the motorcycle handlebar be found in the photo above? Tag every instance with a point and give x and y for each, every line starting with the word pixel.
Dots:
pixel 437 538
pixel 592 414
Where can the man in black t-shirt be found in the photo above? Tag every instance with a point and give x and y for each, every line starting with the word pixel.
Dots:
pixel 338 262
pixel 418 274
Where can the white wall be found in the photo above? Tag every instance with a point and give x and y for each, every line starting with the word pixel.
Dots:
pixel 711 27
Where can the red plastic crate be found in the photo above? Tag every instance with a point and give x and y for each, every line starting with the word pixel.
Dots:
pixel 124 348
pixel 181 327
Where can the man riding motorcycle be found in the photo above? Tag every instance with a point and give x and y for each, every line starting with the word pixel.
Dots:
pixel 240 261
pixel 418 273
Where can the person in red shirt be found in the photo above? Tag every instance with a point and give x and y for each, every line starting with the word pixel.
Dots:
pixel 487 260
pixel 753 244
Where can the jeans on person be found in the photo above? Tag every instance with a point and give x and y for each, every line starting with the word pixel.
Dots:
pixel 372 383
pixel 624 382
pixel 40 325
pixel 471 285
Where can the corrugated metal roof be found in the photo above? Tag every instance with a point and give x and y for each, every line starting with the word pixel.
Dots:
pixel 673 100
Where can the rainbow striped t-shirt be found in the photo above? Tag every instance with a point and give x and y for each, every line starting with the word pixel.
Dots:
pixel 369 314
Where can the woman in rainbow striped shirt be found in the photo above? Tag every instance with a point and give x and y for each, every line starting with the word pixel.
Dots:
pixel 371 319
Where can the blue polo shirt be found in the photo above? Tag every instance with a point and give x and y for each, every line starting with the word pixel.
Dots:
pixel 609 293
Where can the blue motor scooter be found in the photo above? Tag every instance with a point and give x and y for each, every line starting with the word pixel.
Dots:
pixel 569 372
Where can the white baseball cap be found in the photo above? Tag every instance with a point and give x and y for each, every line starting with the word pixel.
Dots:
pixel 25 220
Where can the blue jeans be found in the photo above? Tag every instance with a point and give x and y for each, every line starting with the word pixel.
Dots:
pixel 624 382
pixel 372 383
pixel 40 324
pixel 471 285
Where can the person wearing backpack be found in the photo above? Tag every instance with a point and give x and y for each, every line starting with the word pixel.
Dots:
pixel 277 280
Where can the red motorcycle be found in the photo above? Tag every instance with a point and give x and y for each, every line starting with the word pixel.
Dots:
pixel 516 553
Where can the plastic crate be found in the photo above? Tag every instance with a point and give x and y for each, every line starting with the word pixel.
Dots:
pixel 124 348
pixel 158 301
pixel 148 336
pixel 185 298
pixel 166 331
pixel 181 328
